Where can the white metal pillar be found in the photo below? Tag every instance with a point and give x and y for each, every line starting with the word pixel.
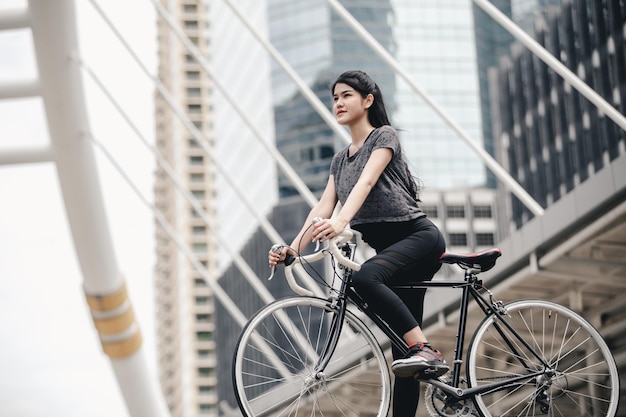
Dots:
pixel 53 25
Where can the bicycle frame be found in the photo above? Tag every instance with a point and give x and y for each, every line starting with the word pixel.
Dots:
pixel 470 287
pixel 525 357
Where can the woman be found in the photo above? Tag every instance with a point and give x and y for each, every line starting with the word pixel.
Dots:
pixel 378 197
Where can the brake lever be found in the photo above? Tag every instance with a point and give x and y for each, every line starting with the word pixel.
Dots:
pixel 272 272
pixel 317 243
pixel 277 248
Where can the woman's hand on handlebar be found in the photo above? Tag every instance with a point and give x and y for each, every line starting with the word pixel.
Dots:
pixel 278 254
pixel 327 229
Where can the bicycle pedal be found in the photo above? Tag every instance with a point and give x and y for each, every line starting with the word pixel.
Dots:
pixel 431 373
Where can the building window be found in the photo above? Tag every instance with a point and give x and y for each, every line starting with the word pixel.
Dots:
pixel 200 301
pixel 482 212
pixel 456 212
pixel 198 230
pixel 307 154
pixel 191 24
pixel 194 92
pixel 431 211
pixel 199 247
pixel 206 372
pixel 196 178
pixel 196 160
pixel 199 194
pixel 190 8
pixel 457 239
pixel 204 336
pixel 206 389
pixel 203 318
pixel 194 108
pixel 485 239
pixel 326 151
pixel 203 353
pixel 192 75
pixel 199 283
pixel 207 408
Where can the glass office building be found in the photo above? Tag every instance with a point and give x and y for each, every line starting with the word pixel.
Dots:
pixel 436 46
pixel 551 138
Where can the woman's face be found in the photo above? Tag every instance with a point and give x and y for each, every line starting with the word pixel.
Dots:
pixel 348 105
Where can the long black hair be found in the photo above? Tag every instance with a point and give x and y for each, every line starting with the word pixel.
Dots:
pixel 377 113
pixel 364 85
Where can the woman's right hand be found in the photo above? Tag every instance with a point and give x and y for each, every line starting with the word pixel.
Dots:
pixel 278 254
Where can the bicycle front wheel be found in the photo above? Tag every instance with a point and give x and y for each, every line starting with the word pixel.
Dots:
pixel 274 367
pixel 577 375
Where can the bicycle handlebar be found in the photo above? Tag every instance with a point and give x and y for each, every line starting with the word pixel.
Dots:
pixel 333 247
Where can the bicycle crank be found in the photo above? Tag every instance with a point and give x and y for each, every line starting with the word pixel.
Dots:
pixel 440 404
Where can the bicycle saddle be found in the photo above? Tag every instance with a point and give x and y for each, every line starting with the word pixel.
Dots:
pixel 479 262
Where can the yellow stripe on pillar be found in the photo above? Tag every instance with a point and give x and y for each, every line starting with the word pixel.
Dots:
pixel 114 320
pixel 106 302
pixel 116 324
pixel 123 348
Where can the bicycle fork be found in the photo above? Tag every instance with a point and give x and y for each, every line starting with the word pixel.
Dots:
pixel 338 305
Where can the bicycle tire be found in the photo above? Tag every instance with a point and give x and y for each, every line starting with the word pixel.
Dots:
pixel 278 379
pixel 585 380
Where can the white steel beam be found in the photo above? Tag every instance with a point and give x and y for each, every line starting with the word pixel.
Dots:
pixel 19 89
pixel 26 155
pixel 553 62
pixel 16 18
pixel 53 26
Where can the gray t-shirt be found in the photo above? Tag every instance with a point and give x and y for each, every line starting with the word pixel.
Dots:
pixel 392 198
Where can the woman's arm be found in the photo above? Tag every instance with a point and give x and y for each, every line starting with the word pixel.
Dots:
pixel 374 167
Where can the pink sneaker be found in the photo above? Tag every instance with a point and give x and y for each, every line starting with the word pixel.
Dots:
pixel 420 362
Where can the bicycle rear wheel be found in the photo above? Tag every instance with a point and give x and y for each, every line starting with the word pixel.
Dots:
pixel 581 378
pixel 273 365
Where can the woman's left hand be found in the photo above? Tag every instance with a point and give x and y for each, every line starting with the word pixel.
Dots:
pixel 327 229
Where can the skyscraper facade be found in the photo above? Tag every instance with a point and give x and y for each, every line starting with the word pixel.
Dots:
pixel 551 138
pixel 494 42
pixel 184 305
pixel 215 158
pixel 435 44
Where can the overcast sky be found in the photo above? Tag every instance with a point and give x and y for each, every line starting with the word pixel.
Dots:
pixel 51 362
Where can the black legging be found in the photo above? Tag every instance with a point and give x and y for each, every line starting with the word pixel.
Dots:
pixel 405 252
